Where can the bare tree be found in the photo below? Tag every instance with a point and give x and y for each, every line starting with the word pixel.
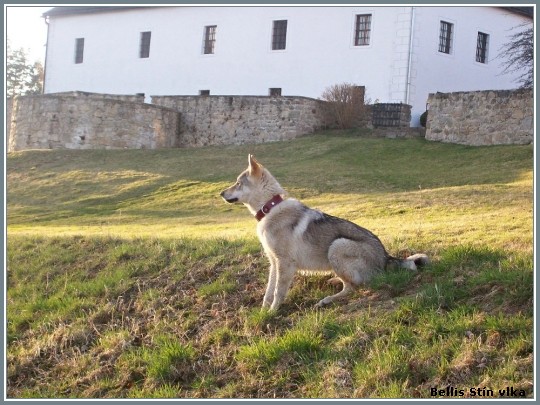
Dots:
pixel 518 55
pixel 344 105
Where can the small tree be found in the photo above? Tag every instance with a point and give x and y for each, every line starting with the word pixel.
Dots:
pixel 518 55
pixel 344 105
pixel 22 77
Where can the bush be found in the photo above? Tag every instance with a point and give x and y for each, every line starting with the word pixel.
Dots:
pixel 423 118
pixel 345 107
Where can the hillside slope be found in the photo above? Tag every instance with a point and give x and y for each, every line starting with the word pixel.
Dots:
pixel 129 277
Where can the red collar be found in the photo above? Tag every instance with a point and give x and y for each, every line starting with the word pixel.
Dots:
pixel 267 207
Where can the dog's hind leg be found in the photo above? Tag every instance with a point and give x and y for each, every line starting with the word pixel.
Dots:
pixel 347 289
pixel 352 263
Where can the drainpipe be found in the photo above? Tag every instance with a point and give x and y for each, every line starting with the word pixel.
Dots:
pixel 46 53
pixel 409 63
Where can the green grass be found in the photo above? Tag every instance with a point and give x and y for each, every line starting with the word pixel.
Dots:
pixel 128 277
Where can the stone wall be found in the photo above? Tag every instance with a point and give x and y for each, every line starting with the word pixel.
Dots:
pixel 9 109
pixel 481 117
pixel 89 121
pixel 398 132
pixel 78 120
pixel 226 120
pixel 130 98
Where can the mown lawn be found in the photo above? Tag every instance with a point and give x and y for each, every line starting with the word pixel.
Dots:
pixel 129 277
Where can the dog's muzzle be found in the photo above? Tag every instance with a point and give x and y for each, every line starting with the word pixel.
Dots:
pixel 229 200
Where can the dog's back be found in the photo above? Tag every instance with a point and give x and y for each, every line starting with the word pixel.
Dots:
pixel 305 235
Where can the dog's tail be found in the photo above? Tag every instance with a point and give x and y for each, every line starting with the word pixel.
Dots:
pixel 411 262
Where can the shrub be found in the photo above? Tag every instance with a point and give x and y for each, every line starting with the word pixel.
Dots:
pixel 345 107
pixel 423 118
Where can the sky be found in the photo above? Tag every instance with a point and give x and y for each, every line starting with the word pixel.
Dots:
pixel 25 28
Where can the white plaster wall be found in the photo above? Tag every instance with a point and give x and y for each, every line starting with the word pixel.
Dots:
pixel 433 71
pixel 319 52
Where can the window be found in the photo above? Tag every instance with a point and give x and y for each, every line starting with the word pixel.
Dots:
pixel 445 37
pixel 209 39
pixel 79 50
pixel 279 35
pixel 275 92
pixel 482 43
pixel 144 49
pixel 204 92
pixel 362 30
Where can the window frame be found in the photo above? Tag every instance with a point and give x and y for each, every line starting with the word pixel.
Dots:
pixel 446 37
pixel 145 41
pixel 279 35
pixel 366 39
pixel 482 49
pixel 209 39
pixel 79 51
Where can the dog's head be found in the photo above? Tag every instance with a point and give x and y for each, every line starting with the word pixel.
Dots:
pixel 247 185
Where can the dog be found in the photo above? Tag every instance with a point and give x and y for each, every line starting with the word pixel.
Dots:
pixel 296 237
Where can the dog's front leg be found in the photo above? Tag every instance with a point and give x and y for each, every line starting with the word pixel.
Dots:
pixel 271 286
pixel 284 276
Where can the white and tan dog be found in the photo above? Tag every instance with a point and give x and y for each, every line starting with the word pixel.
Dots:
pixel 295 237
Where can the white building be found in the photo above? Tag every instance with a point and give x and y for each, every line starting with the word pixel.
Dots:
pixel 400 54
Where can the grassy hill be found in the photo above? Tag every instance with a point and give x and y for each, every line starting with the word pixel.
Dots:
pixel 128 276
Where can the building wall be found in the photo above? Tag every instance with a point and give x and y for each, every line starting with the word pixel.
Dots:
pixel 319 53
pixel 481 118
pixel 433 71
pixel 226 120
pixel 83 121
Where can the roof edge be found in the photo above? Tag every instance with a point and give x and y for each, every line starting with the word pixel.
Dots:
pixel 70 10
pixel 525 11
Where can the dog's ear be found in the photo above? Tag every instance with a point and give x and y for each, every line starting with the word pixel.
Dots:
pixel 254 166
